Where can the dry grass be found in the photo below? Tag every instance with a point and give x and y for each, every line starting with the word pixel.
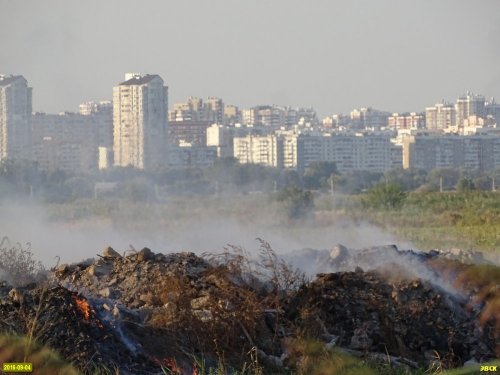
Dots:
pixel 44 360
pixel 311 357
pixel 17 265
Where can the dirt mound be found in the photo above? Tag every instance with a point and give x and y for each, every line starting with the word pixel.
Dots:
pixel 411 319
pixel 143 312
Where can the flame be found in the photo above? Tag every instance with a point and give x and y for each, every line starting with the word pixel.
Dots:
pixel 83 306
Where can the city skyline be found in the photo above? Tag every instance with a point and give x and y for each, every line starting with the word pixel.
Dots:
pixel 81 107
pixel 334 56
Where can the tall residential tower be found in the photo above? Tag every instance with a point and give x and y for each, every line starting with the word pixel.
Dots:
pixel 15 118
pixel 140 121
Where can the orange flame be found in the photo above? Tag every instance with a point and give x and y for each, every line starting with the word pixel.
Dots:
pixel 83 306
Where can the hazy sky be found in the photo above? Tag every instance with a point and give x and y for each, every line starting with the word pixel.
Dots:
pixel 396 55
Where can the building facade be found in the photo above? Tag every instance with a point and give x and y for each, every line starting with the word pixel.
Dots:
pixel 192 132
pixel 140 122
pixel 15 118
pixel 441 116
pixel 477 152
pixel 350 152
pixel 102 114
pixel 469 105
pixel 66 141
pixel 263 149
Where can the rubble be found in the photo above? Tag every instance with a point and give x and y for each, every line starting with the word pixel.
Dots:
pixel 404 319
pixel 58 321
pixel 142 309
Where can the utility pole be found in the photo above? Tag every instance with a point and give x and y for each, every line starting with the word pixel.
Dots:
pixel 441 184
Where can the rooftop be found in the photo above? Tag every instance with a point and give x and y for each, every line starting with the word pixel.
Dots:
pixel 140 80
pixel 7 80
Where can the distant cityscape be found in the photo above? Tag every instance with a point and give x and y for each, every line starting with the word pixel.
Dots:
pixel 137 129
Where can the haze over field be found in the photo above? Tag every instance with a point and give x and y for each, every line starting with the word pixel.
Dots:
pixel 333 55
pixel 74 240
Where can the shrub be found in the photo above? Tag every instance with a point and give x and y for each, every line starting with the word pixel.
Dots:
pixel 298 204
pixel 17 265
pixel 389 196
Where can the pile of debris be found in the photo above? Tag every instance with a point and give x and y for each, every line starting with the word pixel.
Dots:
pixel 163 305
pixel 64 320
pixel 409 318
pixel 144 311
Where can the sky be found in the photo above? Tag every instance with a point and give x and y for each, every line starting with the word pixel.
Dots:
pixel 395 55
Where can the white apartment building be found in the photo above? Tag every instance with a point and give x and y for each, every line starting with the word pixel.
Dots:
pixel 368 118
pixel 476 152
pixel 221 137
pixel 15 118
pixel 441 116
pixel 140 122
pixel 351 152
pixel 264 149
pixel 264 115
pixel 194 109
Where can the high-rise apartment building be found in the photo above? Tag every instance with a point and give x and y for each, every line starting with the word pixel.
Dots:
pixel 264 115
pixel 15 118
pixel 266 150
pixel 232 115
pixel 194 109
pixel 492 109
pixel 215 107
pixel 469 105
pixel 441 116
pixel 369 118
pixel 140 121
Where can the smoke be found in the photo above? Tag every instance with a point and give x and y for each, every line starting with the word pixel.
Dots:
pixel 308 245
pixel 209 229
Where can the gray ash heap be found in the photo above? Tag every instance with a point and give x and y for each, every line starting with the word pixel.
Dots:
pixel 143 311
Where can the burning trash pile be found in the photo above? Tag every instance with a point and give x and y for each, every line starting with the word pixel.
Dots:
pixel 63 320
pixel 143 312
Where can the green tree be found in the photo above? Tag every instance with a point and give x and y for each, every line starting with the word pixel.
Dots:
pixel 357 181
pixel 387 196
pixel 465 184
pixel 447 177
pixel 409 179
pixel 298 204
pixel 317 175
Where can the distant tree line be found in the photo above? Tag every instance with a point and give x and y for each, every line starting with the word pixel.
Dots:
pixel 226 176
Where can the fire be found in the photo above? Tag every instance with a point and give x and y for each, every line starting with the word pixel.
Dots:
pixel 83 306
